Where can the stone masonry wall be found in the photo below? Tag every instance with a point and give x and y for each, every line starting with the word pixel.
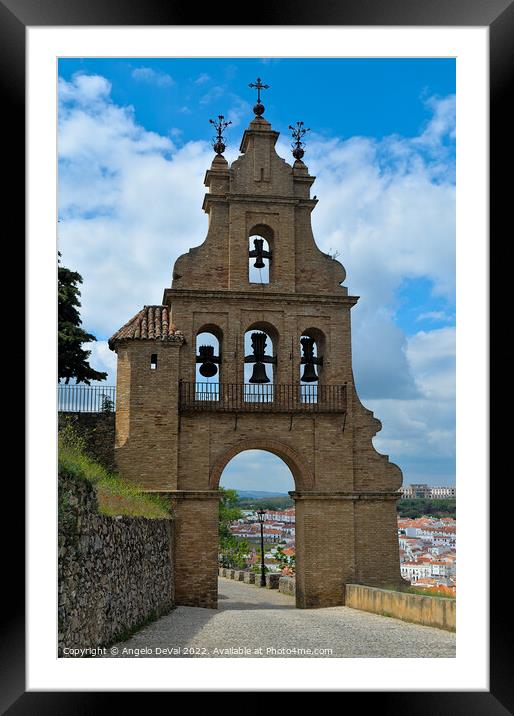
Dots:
pixel 98 431
pixel 115 573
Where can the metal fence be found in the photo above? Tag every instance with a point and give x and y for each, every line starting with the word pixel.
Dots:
pixel 220 397
pixel 248 397
pixel 87 398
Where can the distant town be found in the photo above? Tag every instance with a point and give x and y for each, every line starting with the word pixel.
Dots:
pixel 427 543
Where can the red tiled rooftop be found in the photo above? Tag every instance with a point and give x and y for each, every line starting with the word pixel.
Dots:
pixel 151 323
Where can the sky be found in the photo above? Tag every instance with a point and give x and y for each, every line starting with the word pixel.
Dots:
pixel 134 144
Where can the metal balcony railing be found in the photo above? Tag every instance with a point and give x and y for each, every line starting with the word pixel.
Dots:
pixel 261 398
pixel 86 398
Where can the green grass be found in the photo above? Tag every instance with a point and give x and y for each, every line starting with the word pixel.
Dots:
pixel 424 592
pixel 115 495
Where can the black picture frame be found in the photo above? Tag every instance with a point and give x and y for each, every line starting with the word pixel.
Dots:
pixel 15 17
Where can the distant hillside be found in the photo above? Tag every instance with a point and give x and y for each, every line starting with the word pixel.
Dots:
pixel 276 502
pixel 243 494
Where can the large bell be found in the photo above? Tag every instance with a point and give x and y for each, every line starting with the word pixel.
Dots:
pixel 259 374
pixel 259 358
pixel 309 373
pixel 206 355
pixel 258 244
pixel 308 360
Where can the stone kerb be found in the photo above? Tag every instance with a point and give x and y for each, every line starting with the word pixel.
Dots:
pixel 287 585
pixel 427 610
pixel 241 575
pixel 272 580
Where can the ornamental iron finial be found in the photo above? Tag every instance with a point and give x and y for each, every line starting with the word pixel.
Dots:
pixel 258 109
pixel 217 142
pixel 298 132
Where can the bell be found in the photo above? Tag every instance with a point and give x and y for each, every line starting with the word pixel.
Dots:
pixel 309 373
pixel 308 360
pixel 206 356
pixel 259 373
pixel 208 370
pixel 258 244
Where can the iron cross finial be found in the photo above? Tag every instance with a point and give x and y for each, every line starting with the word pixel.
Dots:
pixel 298 132
pixel 259 107
pixel 220 125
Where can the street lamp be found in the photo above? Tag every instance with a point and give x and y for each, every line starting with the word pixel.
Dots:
pixel 260 515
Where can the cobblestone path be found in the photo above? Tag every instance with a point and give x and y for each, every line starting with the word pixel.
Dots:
pixel 255 622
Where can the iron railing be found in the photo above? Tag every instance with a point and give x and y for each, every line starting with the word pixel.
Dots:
pixel 218 397
pixel 87 398
pixel 262 398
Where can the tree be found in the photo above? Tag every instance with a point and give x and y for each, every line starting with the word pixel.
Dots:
pixel 73 359
pixel 233 550
pixel 107 404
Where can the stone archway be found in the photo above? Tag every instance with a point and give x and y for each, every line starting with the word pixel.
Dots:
pixel 302 474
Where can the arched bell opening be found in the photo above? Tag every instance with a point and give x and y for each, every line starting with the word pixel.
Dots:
pixel 312 348
pixel 260 254
pixel 260 346
pixel 208 363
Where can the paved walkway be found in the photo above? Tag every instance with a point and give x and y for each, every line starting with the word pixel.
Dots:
pixel 255 622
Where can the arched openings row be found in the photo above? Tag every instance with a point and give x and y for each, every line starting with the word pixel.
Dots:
pixel 261 348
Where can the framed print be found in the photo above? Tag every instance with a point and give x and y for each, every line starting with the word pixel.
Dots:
pixel 216 464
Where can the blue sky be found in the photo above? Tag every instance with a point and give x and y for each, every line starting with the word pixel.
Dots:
pixel 134 143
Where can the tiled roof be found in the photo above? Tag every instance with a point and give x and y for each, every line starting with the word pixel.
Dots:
pixel 151 323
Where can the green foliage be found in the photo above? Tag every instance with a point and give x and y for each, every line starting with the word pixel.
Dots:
pixel 69 437
pixel 285 560
pixel 233 550
pixel 107 404
pixel 257 568
pixel 229 511
pixel 73 359
pixel 115 495
pixel 426 507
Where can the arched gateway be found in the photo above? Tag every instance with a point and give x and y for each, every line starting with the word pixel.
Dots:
pixel 175 434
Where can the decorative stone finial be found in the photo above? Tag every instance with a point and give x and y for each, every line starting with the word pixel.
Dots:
pixel 298 145
pixel 220 125
pixel 258 109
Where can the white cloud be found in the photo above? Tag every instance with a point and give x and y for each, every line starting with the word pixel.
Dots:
pixel 257 470
pixel 147 74
pixel 387 207
pixel 202 78
pixel 440 316
pixel 238 108
pixel 212 95
pixel 102 359
pixel 85 89
pixel 423 429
